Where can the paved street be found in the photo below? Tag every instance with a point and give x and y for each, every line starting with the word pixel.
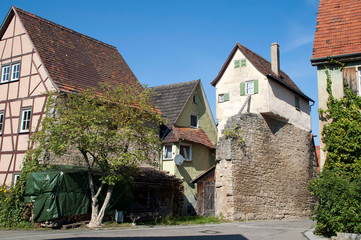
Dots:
pixel 280 230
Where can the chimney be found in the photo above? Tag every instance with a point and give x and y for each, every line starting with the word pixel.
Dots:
pixel 275 59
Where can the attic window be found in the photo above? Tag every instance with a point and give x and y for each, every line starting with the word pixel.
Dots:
pixel 195 99
pixel 237 63
pixel 243 62
pixel 194 121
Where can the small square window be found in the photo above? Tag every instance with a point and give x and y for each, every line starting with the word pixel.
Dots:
pixel 194 121
pixel 2 119
pixel 186 152
pixel 25 120
pixel 15 71
pixel 167 151
pixel 237 63
pixel 5 73
pixel 223 97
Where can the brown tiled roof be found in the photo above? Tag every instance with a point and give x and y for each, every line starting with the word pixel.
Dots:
pixel 74 61
pixel 264 67
pixel 338 29
pixel 171 99
pixel 189 134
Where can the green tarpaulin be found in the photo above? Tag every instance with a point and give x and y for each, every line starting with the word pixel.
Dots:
pixel 64 191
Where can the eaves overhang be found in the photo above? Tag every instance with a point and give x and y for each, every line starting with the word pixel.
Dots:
pixel 344 58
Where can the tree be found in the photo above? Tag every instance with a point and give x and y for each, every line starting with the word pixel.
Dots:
pixel 112 128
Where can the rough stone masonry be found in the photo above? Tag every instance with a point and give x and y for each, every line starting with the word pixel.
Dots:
pixel 266 176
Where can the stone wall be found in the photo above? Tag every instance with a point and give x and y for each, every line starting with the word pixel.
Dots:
pixel 266 176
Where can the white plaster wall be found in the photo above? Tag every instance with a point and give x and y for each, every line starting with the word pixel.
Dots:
pixel 283 105
pixel 272 98
pixel 230 83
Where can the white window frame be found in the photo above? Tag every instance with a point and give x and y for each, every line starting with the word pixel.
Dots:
pixel 221 98
pixel 15 69
pixel 2 121
pixel 5 73
pixel 165 146
pixel 190 151
pixel 10 72
pixel 359 81
pixel 16 177
pixel 25 123
pixel 190 120
pixel 249 87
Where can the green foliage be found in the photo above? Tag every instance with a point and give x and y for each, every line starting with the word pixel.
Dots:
pixel 234 133
pixel 112 128
pixel 12 211
pixel 338 189
pixel 339 202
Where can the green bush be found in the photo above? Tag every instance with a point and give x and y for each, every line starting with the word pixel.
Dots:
pixel 339 202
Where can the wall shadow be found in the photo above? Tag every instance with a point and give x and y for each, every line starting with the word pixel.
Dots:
pixel 206 237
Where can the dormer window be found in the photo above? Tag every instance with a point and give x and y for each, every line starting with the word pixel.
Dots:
pixel 10 72
pixel 194 121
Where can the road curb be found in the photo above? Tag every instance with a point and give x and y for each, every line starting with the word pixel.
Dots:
pixel 309 235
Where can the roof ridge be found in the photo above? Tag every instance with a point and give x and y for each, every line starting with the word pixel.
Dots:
pixel 60 26
pixel 174 84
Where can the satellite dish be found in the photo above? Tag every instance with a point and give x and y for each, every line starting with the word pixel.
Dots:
pixel 178 159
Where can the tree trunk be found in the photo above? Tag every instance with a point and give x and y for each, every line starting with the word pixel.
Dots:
pixel 97 220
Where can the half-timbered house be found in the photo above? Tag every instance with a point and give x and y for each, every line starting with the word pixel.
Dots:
pixel 38 56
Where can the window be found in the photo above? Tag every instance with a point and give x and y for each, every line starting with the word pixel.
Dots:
pixel 7 76
pixel 237 63
pixel 186 152
pixel 297 103
pixel 25 120
pixel 359 81
pixel 15 70
pixel 243 62
pixel 5 73
pixel 195 99
pixel 194 121
pixel 249 87
pixel 167 151
pixel 16 178
pixel 2 116
pixel 224 97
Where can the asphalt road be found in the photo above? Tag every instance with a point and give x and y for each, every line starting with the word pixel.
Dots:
pixel 279 230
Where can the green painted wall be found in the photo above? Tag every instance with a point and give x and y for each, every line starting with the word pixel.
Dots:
pixel 204 121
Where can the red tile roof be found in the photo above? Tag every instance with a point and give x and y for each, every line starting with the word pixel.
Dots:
pixel 338 29
pixel 264 67
pixel 189 134
pixel 74 61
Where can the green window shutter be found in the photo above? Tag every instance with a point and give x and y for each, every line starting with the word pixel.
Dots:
pixel 226 97
pixel 236 63
pixel 243 62
pixel 255 85
pixel 297 103
pixel 242 88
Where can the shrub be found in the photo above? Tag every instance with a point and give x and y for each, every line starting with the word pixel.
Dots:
pixel 339 202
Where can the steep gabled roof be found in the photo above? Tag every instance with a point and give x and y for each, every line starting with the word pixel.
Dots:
pixel 338 29
pixel 74 61
pixel 189 134
pixel 264 67
pixel 172 98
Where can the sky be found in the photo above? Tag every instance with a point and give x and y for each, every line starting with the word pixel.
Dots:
pixel 169 41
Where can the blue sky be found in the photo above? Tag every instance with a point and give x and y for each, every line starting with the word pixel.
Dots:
pixel 166 41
